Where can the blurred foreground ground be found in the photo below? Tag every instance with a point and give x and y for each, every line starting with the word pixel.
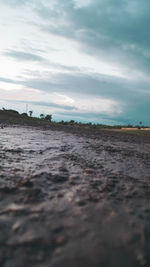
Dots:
pixel 74 200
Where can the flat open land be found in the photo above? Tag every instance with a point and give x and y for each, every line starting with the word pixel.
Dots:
pixel 74 199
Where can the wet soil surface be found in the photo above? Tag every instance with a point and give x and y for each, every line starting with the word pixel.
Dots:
pixel 69 200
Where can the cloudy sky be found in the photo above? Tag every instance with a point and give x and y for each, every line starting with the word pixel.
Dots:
pixel 87 60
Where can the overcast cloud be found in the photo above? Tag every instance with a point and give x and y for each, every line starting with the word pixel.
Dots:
pixel 86 60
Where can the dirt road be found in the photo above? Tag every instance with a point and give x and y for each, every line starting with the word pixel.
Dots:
pixel 67 200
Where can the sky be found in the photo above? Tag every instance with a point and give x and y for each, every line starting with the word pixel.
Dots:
pixel 82 60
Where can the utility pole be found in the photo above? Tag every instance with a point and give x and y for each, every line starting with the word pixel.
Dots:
pixel 27 108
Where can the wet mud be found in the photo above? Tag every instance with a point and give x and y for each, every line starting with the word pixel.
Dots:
pixel 70 200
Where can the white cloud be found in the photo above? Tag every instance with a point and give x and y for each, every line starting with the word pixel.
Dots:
pixel 82 3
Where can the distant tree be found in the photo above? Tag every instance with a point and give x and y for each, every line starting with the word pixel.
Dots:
pixel 24 114
pixel 42 116
pixel 48 118
pixel 72 122
pixel 140 124
pixel 30 112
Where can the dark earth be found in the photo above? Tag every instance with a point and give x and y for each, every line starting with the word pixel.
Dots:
pixel 74 199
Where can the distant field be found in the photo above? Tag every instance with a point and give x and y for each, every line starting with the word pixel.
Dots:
pixel 142 131
pixel 135 129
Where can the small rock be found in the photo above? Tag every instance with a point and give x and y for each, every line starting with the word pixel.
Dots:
pixel 89 171
pixel 16 226
pixel 60 241
pixel 27 183
pixel 59 178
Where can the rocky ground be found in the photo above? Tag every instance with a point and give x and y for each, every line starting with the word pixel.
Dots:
pixel 74 200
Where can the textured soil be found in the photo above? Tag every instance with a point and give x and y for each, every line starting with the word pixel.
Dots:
pixel 74 200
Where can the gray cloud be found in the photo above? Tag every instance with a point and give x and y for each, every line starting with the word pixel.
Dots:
pixel 26 56
pixel 44 104
pixel 7 80
pixel 88 84
pixel 15 3
pixel 116 30
pixel 23 56
pixel 113 29
pixel 132 96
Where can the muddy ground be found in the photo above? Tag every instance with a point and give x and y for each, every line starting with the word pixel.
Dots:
pixel 74 200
